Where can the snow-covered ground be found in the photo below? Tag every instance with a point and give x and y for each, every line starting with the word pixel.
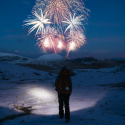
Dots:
pixel 27 97
pixel 44 59
pixel 14 59
pixel 51 57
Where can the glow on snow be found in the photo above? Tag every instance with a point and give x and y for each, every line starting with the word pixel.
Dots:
pixel 56 15
pixel 47 96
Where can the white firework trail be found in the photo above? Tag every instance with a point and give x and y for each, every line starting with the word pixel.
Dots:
pixel 38 22
pixel 74 23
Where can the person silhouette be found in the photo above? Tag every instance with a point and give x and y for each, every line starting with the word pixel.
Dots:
pixel 63 86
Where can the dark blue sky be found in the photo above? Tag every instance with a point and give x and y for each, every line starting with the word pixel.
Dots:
pixel 105 32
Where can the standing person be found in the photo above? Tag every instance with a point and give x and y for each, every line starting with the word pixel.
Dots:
pixel 63 85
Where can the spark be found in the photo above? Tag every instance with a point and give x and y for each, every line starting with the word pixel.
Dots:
pixel 74 22
pixel 38 22
pixel 72 46
pixel 78 6
pixel 62 37
pixel 57 10
pixel 46 43
pixel 60 45
pixel 76 39
pixel 48 40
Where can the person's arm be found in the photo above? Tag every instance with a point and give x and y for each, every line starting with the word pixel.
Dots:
pixel 70 85
pixel 56 80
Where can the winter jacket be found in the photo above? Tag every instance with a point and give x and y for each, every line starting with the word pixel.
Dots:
pixel 70 83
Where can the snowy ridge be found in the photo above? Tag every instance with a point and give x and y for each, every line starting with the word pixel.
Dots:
pixel 51 57
pixel 104 70
pixel 12 72
pixel 7 54
pixel 13 58
pixel 44 59
pixel 102 61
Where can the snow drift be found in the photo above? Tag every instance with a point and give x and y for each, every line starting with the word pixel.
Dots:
pixel 51 57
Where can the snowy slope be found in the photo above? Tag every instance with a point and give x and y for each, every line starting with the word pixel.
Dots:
pixel 12 58
pixel 12 72
pixel 51 57
pixel 99 61
pixel 32 99
pixel 44 59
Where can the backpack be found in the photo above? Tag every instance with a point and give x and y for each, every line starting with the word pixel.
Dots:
pixel 63 84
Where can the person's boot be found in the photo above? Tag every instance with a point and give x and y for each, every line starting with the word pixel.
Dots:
pixel 61 116
pixel 67 120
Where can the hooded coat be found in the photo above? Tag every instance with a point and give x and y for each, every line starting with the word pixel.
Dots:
pixel 70 81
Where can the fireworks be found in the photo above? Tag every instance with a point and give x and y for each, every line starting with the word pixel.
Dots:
pixel 37 22
pixel 57 10
pixel 65 30
pixel 60 44
pixel 74 22
pixel 76 39
pixel 47 39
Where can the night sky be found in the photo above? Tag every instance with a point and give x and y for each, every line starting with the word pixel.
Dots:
pixel 105 32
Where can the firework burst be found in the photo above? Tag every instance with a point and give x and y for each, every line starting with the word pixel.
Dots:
pixel 76 39
pixel 47 39
pixel 68 28
pixel 74 23
pixel 38 22
pixel 77 6
pixel 59 9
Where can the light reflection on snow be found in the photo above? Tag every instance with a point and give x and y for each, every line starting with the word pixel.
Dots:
pixel 44 101
pixel 40 93
pixel 49 103
pixel 81 105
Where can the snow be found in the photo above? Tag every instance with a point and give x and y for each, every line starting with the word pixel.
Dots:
pixel 29 97
pixel 7 54
pixel 119 59
pixel 88 63
pixel 44 59
pixel 51 57
pixel 99 61
pixel 14 59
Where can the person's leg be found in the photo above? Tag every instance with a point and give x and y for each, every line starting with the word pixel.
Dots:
pixel 61 111
pixel 67 109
